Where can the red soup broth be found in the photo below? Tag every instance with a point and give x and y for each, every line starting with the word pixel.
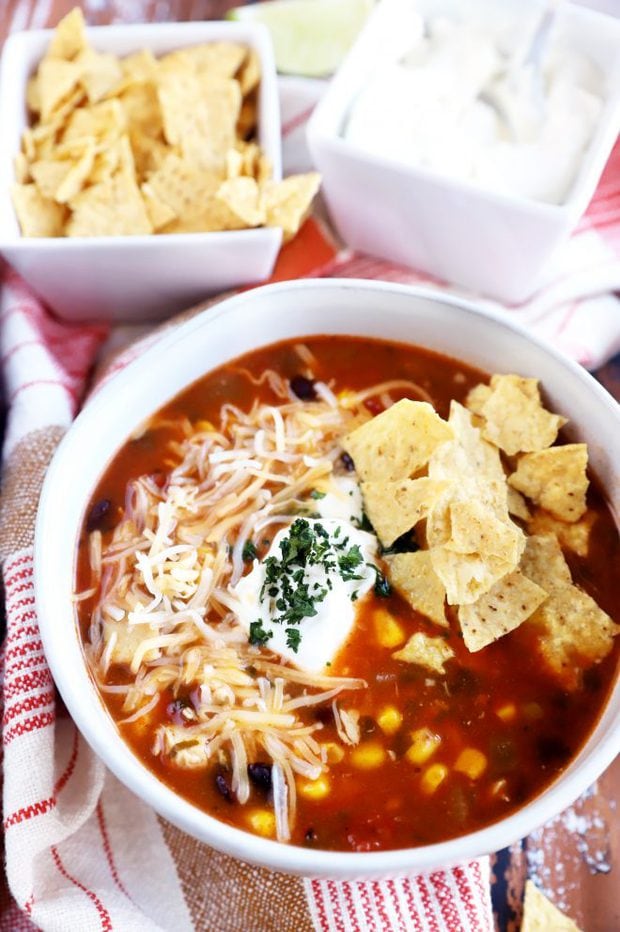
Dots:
pixel 523 723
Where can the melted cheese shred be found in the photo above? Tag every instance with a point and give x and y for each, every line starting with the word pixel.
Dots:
pixel 161 591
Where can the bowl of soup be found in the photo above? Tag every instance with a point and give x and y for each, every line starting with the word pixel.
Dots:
pixel 333 578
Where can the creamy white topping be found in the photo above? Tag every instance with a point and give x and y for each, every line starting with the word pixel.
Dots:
pixel 458 105
pixel 334 597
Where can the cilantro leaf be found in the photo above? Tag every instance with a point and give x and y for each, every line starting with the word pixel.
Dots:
pixel 249 551
pixel 258 635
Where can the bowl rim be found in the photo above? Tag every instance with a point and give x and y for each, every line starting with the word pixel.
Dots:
pixel 17 48
pixel 127 767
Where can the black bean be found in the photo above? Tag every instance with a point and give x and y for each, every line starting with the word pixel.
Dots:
pixel 260 775
pixel 98 514
pixel 310 836
pixel 303 388
pixel 552 751
pixel 347 462
pixel 367 725
pixel 223 787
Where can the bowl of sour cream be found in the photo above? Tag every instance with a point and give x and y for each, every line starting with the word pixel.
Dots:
pixel 445 146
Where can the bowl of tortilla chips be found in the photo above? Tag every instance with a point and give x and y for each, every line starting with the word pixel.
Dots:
pixel 141 166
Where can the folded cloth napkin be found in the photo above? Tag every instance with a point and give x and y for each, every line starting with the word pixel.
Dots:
pixel 81 851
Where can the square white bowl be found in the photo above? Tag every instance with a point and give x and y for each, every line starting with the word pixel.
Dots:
pixel 494 244
pixel 134 278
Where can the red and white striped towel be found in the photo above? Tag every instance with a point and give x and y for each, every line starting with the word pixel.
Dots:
pixel 81 851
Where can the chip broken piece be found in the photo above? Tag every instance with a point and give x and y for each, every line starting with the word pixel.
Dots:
pixel 432 653
pixel 395 507
pixel 397 443
pixel 514 418
pixel 502 609
pixel 540 915
pixel 555 479
pixel 412 574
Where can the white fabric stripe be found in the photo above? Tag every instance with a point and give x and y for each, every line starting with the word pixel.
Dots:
pixel 313 909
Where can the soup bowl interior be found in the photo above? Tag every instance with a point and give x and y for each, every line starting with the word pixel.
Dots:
pixel 236 326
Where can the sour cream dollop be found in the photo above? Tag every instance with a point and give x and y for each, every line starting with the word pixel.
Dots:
pixel 455 104
pixel 333 585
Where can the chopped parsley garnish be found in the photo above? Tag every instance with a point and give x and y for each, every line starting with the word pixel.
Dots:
pixel 316 494
pixel 291 593
pixel 293 638
pixel 382 586
pixel 249 551
pixel 258 635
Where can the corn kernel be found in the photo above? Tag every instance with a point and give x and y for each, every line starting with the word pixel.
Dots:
pixel 314 789
pixel 333 752
pixel 262 821
pixel 507 712
pixel 389 632
pixel 368 756
pixel 203 426
pixel 424 743
pixel 532 710
pixel 389 720
pixel 471 762
pixel 432 777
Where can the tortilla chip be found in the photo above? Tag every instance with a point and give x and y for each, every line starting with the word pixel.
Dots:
pixel 158 211
pixel 517 505
pixel 473 464
pixel 249 73
pixel 199 113
pixel 100 73
pixel 575 536
pixel 69 37
pixel 110 208
pixel 21 168
pixel 183 187
pixel 500 610
pixel 543 562
pixel 475 529
pixel 572 624
pixel 57 79
pixel 514 418
pixel 555 479
pixel 140 105
pixel 216 59
pixel 287 203
pixel 104 121
pixel 477 398
pixel 140 66
pixel 413 576
pixel 540 915
pixel 33 96
pixel 37 215
pixel 242 197
pixel 467 576
pixel 397 443
pixel 425 651
pixel 395 507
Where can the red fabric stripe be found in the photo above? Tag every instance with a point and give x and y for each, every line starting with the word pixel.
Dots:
pixel 335 907
pixel 317 892
pixel 379 898
pixel 32 724
pixel 29 704
pixel 23 664
pixel 26 632
pixel 104 916
pixel 11 584
pixel 107 847
pixel 468 899
pixel 29 812
pixel 37 679
pixel 445 898
pixel 429 911
pixel 20 650
pixel 64 777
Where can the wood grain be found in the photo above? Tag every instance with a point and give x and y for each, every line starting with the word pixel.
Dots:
pixel 576 857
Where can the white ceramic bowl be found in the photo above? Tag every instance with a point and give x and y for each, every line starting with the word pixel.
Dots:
pixel 240 324
pixel 494 244
pixel 134 277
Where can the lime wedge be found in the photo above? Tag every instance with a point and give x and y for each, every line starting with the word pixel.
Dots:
pixel 310 37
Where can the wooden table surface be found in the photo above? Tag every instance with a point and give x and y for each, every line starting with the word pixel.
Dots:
pixel 575 858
